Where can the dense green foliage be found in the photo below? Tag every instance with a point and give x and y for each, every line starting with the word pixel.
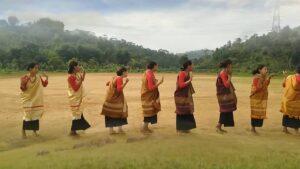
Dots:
pixel 47 42
pixel 277 50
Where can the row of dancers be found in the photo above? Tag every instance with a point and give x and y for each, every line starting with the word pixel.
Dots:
pixel 115 109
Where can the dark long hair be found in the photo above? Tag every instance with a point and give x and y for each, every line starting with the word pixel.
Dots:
pixel 225 63
pixel 72 66
pixel 31 66
pixel 121 70
pixel 151 65
pixel 186 64
pixel 259 67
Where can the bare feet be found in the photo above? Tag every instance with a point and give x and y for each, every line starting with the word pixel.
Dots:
pixel 146 130
pixel 121 131
pixel 73 133
pixel 285 130
pixel 112 132
pixel 149 130
pixel 253 130
pixel 24 134
pixel 36 134
pixel 220 130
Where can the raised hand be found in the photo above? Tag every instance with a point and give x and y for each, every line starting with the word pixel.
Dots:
pixel 162 80
pixel 25 79
pixel 285 73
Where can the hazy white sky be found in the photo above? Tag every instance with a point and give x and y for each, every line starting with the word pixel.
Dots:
pixel 174 25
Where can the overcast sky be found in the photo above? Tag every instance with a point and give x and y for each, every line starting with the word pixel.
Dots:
pixel 174 25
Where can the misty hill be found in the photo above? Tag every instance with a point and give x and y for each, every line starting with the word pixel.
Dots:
pixel 196 54
pixel 47 42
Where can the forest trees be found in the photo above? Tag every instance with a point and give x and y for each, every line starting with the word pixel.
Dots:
pixel 46 41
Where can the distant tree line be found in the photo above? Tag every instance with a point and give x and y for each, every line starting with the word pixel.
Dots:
pixel 47 42
pixel 280 51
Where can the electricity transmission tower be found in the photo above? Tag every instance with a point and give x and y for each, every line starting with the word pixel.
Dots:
pixel 276 17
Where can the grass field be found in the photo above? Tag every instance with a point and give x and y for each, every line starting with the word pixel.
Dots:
pixel 203 148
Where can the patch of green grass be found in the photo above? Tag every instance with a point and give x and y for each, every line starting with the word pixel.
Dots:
pixel 5 74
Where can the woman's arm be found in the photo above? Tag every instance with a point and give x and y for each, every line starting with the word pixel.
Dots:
pixel 44 82
pixel 226 79
pixel 23 85
pixel 181 82
pixel 120 84
pixel 257 83
pixel 73 83
pixel 151 81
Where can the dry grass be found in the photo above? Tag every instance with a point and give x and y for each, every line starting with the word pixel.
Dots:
pixel 203 148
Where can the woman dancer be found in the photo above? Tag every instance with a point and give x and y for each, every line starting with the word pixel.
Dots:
pixel 226 96
pixel 76 97
pixel 115 107
pixel 32 98
pixel 183 95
